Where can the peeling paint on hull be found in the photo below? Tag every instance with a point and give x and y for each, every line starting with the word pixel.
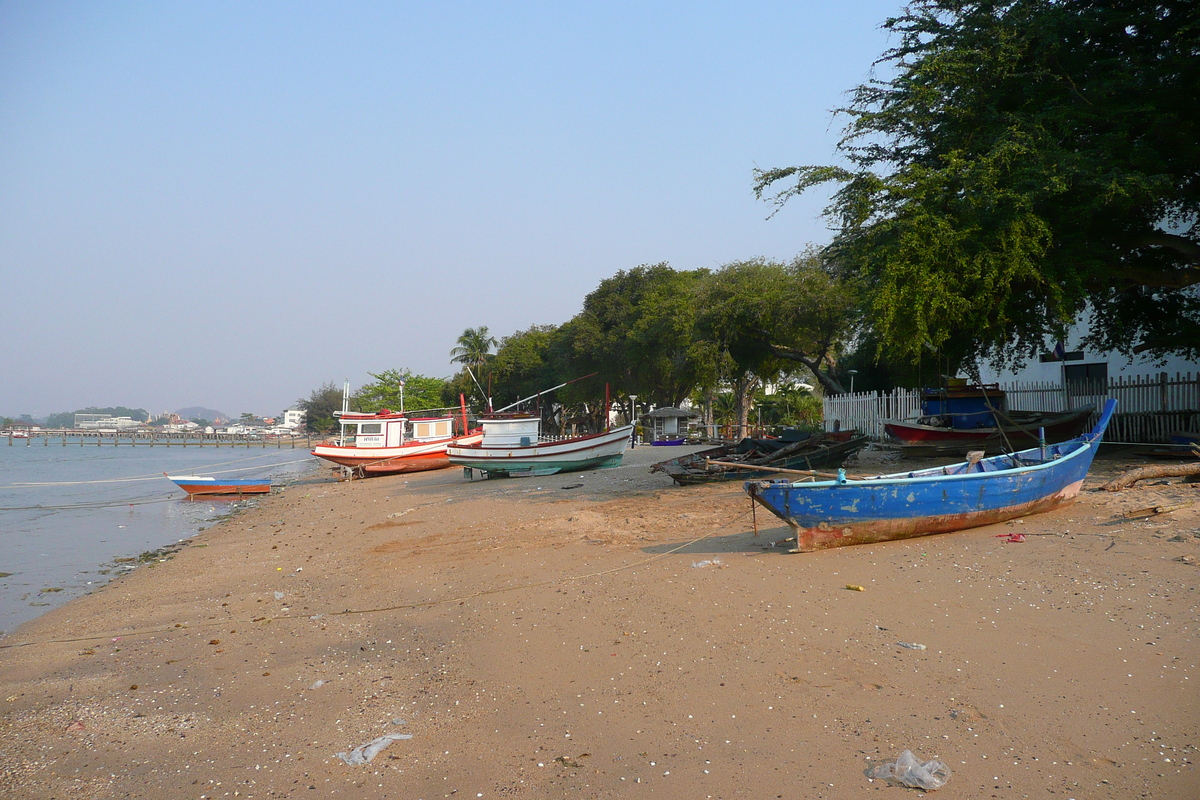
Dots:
pixel 825 535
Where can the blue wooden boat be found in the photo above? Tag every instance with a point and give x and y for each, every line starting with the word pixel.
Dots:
pixel 845 511
pixel 198 485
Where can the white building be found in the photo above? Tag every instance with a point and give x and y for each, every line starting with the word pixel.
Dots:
pixel 1069 363
pixel 293 418
pixel 105 422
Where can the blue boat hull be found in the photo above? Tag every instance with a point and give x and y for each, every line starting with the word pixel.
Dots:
pixel 903 505
pixel 196 485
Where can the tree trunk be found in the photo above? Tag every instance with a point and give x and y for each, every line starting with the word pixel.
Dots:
pixel 829 380
pixel 1127 479
pixel 743 389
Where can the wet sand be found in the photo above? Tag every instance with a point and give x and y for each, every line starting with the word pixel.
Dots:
pixel 608 634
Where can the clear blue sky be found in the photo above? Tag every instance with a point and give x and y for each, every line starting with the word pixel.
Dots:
pixel 229 204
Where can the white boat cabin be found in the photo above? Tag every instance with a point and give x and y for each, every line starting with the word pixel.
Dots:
pixel 510 431
pixel 385 428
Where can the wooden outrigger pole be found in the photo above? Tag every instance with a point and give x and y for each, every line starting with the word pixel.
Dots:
pixel 545 391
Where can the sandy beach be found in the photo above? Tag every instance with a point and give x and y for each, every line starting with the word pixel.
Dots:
pixel 608 634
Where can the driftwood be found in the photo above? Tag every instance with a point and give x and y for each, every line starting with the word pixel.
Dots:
pixel 1154 511
pixel 785 451
pixel 1127 479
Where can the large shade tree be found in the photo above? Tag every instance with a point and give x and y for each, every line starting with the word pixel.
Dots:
pixel 637 330
pixel 1020 163
pixel 526 363
pixel 769 316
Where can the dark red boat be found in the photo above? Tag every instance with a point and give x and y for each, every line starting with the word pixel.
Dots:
pixel 965 418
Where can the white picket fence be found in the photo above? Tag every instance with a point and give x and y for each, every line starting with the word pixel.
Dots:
pixel 1149 407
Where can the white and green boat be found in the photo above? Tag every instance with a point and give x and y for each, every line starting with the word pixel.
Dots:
pixel 512 445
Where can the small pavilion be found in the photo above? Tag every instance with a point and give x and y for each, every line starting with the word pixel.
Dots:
pixel 668 424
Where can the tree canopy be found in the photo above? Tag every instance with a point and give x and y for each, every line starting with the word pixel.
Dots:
pixel 651 331
pixel 1024 162
pixel 474 348
pixel 399 390
pixel 637 329
pixel 319 407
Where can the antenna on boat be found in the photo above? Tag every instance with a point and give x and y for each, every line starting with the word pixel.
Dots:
pixel 481 391
pixel 346 396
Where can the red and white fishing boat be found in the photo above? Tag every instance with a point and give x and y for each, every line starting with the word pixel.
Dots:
pixel 385 442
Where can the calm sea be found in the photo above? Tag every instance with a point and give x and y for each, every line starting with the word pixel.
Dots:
pixel 69 515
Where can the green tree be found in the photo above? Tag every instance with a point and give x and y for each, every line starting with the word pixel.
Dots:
pixel 419 392
pixel 733 320
pixel 638 330
pixel 319 407
pixel 763 314
pixel 1025 161
pixel 525 363
pixel 474 348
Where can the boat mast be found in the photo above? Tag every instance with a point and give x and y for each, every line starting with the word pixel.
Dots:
pixel 345 408
pixel 481 391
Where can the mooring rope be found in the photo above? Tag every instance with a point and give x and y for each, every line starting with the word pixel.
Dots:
pixel 158 476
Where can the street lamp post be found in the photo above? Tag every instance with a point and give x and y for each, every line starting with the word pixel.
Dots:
pixel 851 373
pixel 633 420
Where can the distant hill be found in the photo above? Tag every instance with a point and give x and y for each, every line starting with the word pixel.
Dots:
pixel 200 412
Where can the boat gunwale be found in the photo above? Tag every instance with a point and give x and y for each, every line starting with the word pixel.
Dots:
pixel 624 430
pixel 915 477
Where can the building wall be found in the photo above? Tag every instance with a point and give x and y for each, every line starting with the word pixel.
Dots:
pixel 1116 365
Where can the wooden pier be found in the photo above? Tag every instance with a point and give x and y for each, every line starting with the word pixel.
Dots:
pixel 150 438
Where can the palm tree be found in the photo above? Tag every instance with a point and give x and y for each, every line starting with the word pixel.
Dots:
pixel 474 347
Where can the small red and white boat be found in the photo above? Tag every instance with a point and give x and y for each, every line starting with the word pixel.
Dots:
pixel 199 484
pixel 388 443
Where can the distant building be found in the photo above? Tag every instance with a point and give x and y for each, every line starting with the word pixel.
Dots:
pixel 293 418
pixel 107 422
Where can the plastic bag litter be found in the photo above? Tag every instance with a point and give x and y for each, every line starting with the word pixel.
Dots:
pixel 907 770
pixel 715 562
pixel 364 753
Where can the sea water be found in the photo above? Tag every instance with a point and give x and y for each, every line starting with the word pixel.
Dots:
pixel 74 517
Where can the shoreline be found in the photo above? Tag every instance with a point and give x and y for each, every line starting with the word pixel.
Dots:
pixel 626 635
pixel 73 522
